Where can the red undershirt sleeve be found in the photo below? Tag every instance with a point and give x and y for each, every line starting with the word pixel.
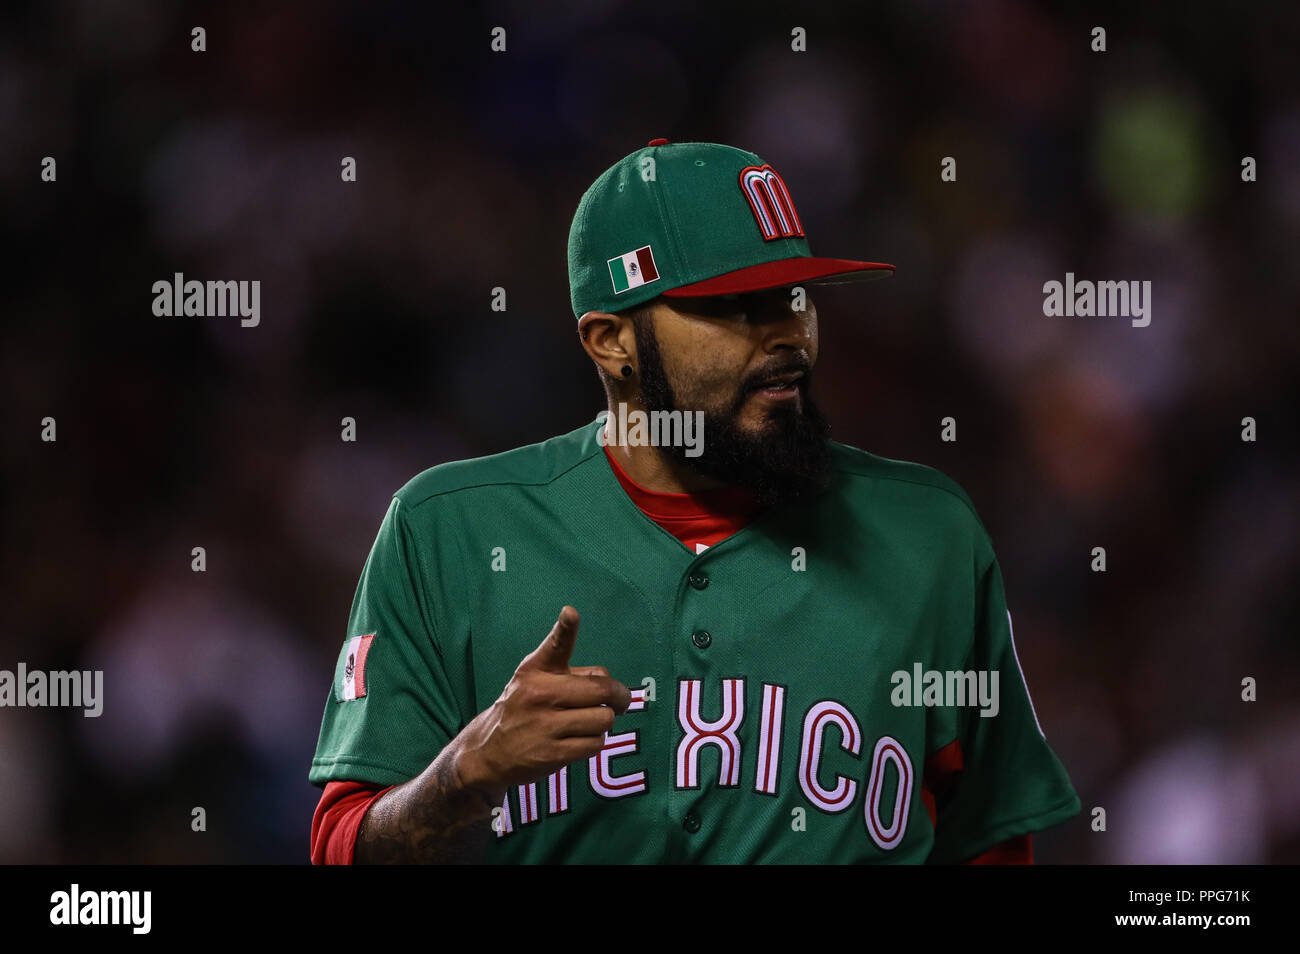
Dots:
pixel 942 769
pixel 337 820
pixel 1013 851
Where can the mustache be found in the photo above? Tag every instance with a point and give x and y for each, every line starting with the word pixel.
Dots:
pixel 756 380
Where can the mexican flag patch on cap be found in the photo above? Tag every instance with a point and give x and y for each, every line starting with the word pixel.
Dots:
pixel 633 269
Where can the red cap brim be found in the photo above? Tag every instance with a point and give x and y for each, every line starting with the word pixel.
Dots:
pixel 788 271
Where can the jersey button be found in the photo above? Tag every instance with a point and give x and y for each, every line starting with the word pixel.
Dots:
pixel 691 822
pixel 701 638
pixel 698 580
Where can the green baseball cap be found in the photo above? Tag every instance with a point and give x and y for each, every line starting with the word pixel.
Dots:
pixel 692 219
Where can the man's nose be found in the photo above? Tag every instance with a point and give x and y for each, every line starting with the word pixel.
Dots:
pixel 784 324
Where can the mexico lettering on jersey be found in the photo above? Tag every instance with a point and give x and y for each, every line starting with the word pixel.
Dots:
pixel 765 726
pixel 884 820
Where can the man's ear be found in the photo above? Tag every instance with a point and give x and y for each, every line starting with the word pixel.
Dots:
pixel 610 340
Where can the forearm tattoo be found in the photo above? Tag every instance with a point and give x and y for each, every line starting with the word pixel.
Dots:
pixel 431 819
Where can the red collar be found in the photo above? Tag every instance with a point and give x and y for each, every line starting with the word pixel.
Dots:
pixel 728 502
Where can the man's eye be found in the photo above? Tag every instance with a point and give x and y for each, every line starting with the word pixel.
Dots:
pixel 719 306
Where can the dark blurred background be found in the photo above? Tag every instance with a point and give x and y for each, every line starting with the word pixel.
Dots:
pixel 1072 433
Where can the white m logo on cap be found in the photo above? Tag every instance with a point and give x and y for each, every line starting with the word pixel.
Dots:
pixel 771 203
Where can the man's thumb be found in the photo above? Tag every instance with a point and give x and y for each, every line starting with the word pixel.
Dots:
pixel 557 648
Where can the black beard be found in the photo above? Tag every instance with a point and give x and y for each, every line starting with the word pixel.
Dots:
pixel 788 461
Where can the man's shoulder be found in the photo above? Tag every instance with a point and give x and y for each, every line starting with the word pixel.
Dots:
pixel 873 474
pixel 531 465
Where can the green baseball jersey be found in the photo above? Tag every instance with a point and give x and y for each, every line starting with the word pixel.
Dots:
pixel 789 683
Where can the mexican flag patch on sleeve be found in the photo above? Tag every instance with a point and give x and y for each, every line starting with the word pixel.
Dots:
pixel 352 677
